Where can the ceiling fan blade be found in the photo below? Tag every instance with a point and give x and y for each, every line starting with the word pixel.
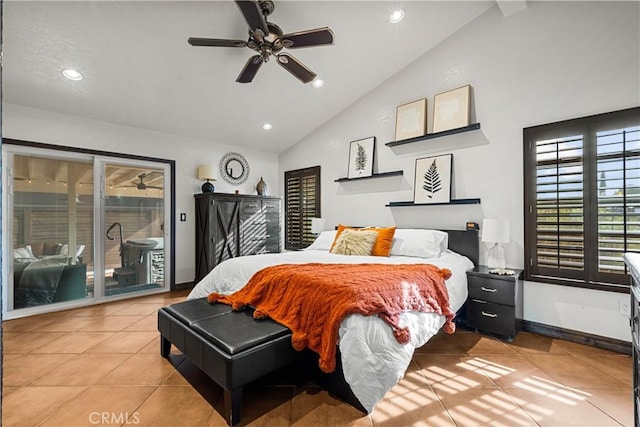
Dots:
pixel 197 41
pixel 250 69
pixel 155 187
pixel 296 68
pixel 317 37
pixel 253 15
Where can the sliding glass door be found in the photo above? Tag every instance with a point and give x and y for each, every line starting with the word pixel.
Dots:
pixel 52 230
pixel 81 228
pixel 134 224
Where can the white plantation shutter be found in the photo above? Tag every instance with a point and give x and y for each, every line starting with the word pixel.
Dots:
pixel 582 199
pixel 302 202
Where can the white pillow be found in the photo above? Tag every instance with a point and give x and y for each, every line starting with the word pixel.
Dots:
pixel 24 252
pixel 419 243
pixel 323 242
pixel 64 250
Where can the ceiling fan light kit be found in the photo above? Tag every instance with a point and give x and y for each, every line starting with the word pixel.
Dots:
pixel 267 39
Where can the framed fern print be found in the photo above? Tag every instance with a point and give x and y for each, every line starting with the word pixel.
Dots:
pixel 361 157
pixel 433 180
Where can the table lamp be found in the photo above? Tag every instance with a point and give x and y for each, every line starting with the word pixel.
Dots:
pixel 317 225
pixel 494 233
pixel 207 172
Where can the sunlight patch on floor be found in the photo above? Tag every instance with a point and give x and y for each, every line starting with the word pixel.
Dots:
pixel 558 392
pixel 491 369
pixel 450 381
pixel 409 394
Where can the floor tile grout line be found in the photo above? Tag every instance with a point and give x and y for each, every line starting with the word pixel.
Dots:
pixel 618 424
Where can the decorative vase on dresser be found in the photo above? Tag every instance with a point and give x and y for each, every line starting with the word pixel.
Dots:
pixel 231 225
pixel 261 187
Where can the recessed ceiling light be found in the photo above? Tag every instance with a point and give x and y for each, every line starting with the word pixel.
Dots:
pixel 267 126
pixel 72 74
pixel 396 16
pixel 317 83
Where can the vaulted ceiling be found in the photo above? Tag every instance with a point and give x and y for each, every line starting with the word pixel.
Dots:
pixel 139 70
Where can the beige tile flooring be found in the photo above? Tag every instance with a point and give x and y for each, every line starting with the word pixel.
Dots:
pixel 101 366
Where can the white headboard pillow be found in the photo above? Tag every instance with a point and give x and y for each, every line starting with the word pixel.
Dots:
pixel 419 243
pixel 323 242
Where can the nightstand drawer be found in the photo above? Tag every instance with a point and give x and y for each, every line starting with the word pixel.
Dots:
pixel 492 290
pixel 487 316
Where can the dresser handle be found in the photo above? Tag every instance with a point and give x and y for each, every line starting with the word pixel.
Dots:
pixel 488 289
pixel 484 313
pixel 252 206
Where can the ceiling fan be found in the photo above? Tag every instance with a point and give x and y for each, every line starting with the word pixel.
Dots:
pixel 267 39
pixel 141 185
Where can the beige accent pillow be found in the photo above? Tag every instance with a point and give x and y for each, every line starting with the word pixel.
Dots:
pixel 354 242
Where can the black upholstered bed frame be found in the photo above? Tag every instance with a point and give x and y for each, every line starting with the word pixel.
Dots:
pixel 465 242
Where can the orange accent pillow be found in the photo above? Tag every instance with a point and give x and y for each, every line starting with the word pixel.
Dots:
pixel 383 244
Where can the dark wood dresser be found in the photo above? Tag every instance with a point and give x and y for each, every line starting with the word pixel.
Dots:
pixel 633 262
pixel 231 225
pixel 495 302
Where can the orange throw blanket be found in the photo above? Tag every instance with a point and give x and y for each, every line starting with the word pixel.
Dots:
pixel 313 299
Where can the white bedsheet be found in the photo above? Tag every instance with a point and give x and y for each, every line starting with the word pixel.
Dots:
pixel 372 360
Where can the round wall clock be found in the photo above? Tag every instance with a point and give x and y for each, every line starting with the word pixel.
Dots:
pixel 234 168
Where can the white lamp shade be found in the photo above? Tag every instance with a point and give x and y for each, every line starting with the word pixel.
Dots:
pixel 495 230
pixel 206 172
pixel 317 225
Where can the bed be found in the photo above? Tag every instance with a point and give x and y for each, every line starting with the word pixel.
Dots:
pixel 371 360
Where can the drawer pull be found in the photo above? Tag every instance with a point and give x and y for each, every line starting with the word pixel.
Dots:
pixel 488 289
pixel 252 206
pixel 484 313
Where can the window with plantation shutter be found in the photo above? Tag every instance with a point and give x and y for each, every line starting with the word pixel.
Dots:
pixel 582 200
pixel 302 202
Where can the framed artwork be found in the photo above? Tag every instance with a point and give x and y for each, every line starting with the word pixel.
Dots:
pixel 361 157
pixel 411 119
pixel 451 109
pixel 433 180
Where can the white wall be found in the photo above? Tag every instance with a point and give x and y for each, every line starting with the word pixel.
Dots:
pixel 30 124
pixel 549 62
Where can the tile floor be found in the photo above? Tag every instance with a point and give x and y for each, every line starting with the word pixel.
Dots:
pixel 101 366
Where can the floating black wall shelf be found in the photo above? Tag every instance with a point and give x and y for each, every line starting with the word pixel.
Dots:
pixel 375 175
pixel 452 202
pixel 472 127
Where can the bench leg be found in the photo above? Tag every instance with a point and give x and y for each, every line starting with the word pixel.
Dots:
pixel 165 346
pixel 232 401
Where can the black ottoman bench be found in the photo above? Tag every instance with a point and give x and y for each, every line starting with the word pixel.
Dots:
pixel 231 347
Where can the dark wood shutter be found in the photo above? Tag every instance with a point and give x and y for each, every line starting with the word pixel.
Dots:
pixel 559 205
pixel 302 202
pixel 582 199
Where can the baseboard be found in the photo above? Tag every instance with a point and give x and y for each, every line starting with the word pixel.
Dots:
pixel 183 286
pixel 605 343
